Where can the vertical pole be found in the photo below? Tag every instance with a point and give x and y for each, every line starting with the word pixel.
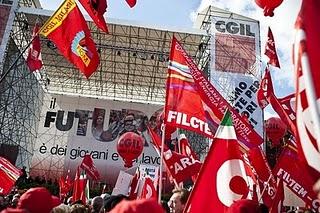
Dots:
pixel 16 60
pixel 161 163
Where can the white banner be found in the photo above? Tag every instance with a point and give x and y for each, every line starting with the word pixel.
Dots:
pixel 235 64
pixel 71 126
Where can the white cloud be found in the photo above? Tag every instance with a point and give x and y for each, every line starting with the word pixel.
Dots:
pixel 282 25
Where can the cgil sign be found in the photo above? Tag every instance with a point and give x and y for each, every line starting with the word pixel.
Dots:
pixel 234 28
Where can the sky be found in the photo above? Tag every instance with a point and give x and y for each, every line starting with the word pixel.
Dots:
pixel 182 13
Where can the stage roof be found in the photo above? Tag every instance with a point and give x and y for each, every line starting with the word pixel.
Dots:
pixel 134 59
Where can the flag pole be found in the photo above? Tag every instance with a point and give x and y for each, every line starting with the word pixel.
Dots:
pixel 311 96
pixel 265 187
pixel 16 60
pixel 163 127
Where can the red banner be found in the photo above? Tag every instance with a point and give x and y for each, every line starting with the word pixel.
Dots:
pixel 296 177
pixel 307 66
pixel 9 174
pixel 270 50
pixel 263 175
pixel 69 31
pixel 88 165
pixel 213 101
pixel 34 61
pixel 181 167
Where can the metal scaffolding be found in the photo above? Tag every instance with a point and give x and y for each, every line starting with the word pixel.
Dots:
pixel 133 68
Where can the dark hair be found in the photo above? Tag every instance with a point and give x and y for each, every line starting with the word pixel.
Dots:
pixel 113 200
pixel 184 194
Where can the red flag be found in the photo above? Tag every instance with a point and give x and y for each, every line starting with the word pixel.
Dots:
pixel 265 95
pixel 222 179
pixel 307 66
pixel 193 103
pixel 288 104
pixel 296 176
pixel 185 149
pixel 79 187
pixel 34 61
pixel 69 31
pixel 148 189
pixel 263 175
pixel 65 185
pixel 133 191
pixel 9 174
pixel 265 90
pixel 180 167
pixel 270 50
pixel 277 204
pixel 88 165
pixel 131 3
pixel 96 9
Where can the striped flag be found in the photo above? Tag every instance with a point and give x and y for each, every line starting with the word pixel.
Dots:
pixel 307 70
pixel 9 174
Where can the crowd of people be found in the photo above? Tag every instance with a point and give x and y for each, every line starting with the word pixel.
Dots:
pixel 40 200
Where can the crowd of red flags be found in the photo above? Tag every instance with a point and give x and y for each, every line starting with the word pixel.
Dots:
pixel 235 166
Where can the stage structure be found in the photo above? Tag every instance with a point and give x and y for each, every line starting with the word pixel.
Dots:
pixel 234 63
pixel 134 60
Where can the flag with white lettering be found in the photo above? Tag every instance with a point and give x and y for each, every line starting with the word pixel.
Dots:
pixel 288 104
pixel 70 33
pixel 265 89
pixel 88 165
pixel 180 167
pixel 222 179
pixel 277 204
pixel 307 66
pixel 212 102
pixel 263 175
pixel 96 9
pixel 184 107
pixel 34 60
pixel 9 174
pixel 296 176
pixel 186 149
pixel 265 95
pixel 271 51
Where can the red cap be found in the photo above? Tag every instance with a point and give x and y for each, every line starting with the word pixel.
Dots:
pixel 244 206
pixel 10 210
pixel 37 200
pixel 143 205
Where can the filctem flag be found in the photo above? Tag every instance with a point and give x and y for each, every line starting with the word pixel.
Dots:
pixel 226 129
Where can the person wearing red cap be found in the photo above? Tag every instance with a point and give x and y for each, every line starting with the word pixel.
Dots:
pixel 37 200
pixel 247 206
pixel 138 206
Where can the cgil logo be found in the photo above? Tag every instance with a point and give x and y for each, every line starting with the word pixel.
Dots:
pixel 234 28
